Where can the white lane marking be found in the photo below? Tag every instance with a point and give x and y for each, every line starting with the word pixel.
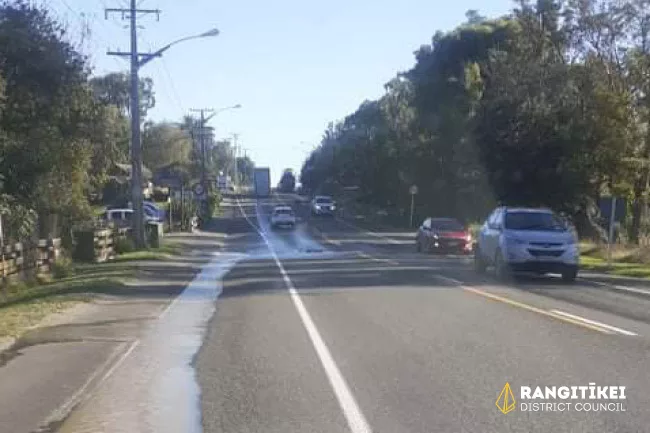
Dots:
pixel 618 287
pixel 595 323
pixel 389 240
pixel 355 418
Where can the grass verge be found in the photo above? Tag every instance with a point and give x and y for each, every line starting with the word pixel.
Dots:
pixel 629 261
pixel 639 270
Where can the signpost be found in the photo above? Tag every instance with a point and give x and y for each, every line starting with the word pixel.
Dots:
pixel 413 190
pixel 612 221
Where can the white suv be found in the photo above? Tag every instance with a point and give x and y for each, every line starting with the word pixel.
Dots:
pixel 283 216
pixel 527 240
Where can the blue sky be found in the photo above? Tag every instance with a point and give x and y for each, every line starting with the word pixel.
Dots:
pixel 293 65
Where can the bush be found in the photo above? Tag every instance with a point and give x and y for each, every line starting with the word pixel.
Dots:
pixel 62 267
pixel 124 245
pixel 214 203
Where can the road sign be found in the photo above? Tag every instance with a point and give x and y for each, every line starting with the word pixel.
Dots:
pixel 198 190
pixel 413 190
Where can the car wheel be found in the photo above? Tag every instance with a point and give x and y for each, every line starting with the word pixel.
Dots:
pixel 500 267
pixel 479 263
pixel 569 275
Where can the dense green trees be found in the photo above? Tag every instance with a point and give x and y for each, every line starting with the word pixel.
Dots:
pixel 287 181
pixel 545 106
pixel 52 129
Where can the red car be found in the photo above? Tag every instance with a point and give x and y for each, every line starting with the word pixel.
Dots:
pixel 444 235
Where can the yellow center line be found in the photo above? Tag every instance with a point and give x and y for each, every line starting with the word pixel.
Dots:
pixel 534 309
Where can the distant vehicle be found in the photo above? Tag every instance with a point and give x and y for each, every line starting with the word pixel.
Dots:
pixel 283 216
pixel 443 235
pixel 527 240
pixel 322 205
pixel 123 217
pixel 262 181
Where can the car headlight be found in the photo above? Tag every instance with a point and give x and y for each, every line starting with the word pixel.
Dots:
pixel 514 241
pixel 333 207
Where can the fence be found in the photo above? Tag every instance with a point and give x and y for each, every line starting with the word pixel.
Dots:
pixel 17 261
pixel 98 245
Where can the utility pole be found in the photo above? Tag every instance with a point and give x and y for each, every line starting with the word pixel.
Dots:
pixel 235 137
pixel 202 133
pixel 136 145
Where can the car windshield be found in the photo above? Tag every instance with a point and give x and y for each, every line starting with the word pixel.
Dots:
pixel 323 200
pixel 533 221
pixel 446 225
pixel 283 212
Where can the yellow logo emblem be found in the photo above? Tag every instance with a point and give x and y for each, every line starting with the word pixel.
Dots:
pixel 506 400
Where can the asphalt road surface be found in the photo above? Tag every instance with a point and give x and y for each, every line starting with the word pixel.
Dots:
pixel 333 328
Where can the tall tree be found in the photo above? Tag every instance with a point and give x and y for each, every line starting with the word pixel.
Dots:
pixel 164 144
pixel 115 89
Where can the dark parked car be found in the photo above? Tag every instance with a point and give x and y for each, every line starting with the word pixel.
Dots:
pixel 443 235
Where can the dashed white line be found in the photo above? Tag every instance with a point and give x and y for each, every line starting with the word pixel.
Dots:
pixel 618 287
pixel 355 418
pixel 595 323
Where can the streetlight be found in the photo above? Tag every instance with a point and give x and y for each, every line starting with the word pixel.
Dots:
pixel 138 61
pixel 146 59
pixel 203 120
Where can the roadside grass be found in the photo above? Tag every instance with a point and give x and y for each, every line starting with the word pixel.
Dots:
pixel 24 305
pixel 629 261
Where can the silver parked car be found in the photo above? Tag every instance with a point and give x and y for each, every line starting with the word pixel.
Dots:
pixel 527 240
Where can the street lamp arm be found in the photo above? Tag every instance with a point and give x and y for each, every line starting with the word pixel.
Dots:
pixel 222 109
pixel 146 59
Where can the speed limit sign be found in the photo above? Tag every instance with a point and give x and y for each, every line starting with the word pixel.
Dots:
pixel 198 190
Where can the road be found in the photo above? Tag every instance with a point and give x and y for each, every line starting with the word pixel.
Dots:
pixel 334 328
pixel 363 334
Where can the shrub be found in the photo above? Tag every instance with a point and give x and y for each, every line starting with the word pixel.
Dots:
pixel 62 267
pixel 124 245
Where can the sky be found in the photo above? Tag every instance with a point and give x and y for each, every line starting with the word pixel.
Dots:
pixel 293 65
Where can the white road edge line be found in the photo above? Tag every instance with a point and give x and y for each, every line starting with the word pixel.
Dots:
pixel 618 287
pixel 595 323
pixel 355 418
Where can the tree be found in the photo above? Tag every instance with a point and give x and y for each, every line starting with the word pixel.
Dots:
pixel 246 169
pixel 546 106
pixel 47 154
pixel 287 181
pixel 115 89
pixel 164 144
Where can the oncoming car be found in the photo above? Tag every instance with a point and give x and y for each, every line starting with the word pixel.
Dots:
pixel 322 205
pixel 527 240
pixel 283 216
